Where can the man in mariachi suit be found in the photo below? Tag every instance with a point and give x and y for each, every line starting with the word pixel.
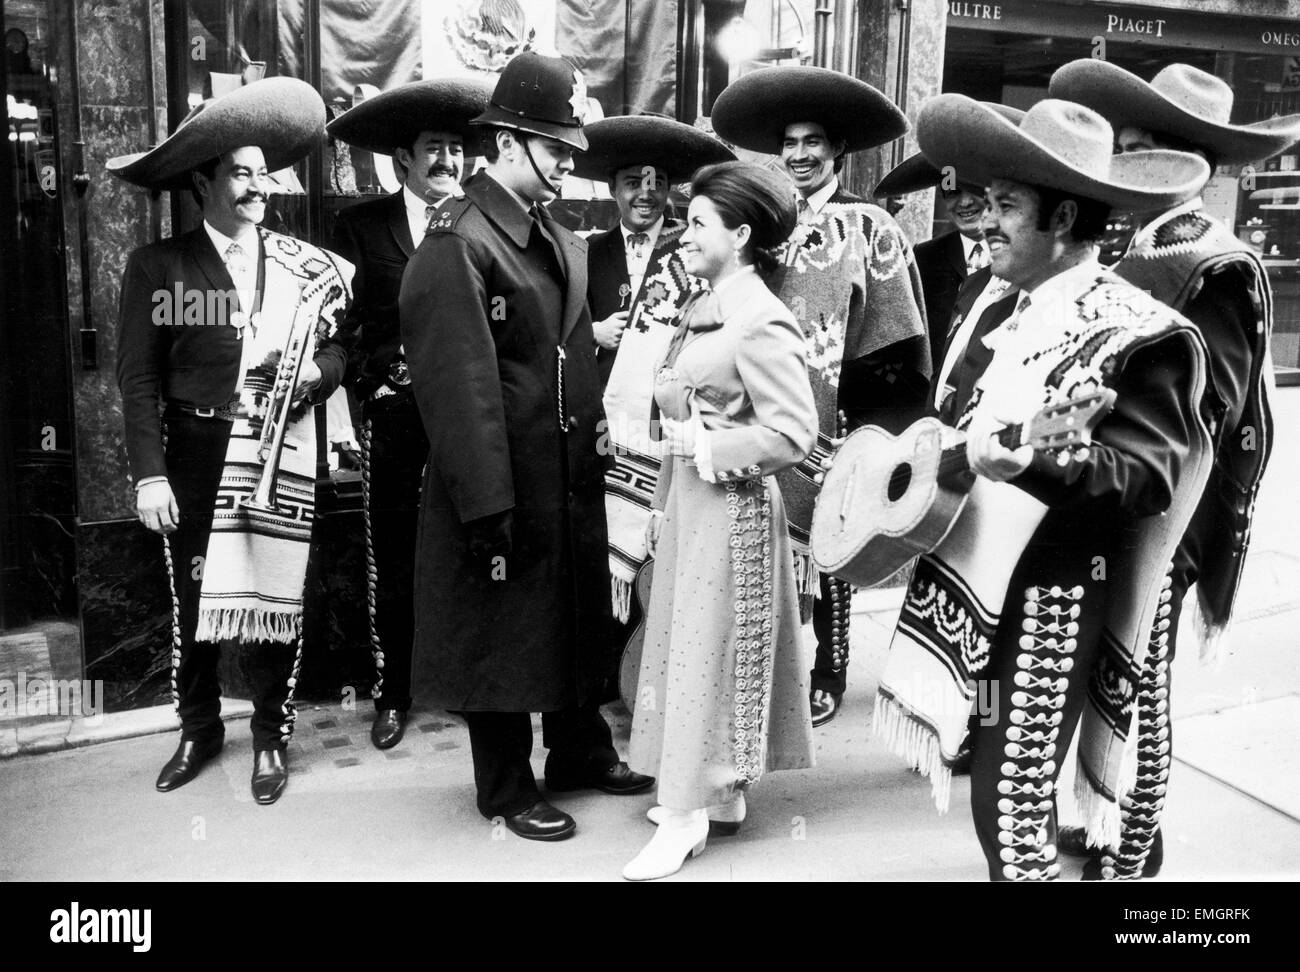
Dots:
pixel 1046 585
pixel 207 320
pixel 512 579
pixel 850 281
pixel 959 315
pixel 1197 266
pixel 636 289
pixel 947 260
pixel 425 127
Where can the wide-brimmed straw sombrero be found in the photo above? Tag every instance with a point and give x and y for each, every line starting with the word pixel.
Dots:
pixel 284 117
pixel 1182 101
pixel 914 173
pixel 395 118
pixel 1059 145
pixel 754 111
pixel 623 141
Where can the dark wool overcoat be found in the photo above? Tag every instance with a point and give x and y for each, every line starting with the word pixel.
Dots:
pixel 498 340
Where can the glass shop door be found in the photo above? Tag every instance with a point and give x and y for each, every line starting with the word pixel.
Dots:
pixel 40 644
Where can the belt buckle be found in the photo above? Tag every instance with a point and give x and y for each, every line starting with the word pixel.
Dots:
pixel 206 412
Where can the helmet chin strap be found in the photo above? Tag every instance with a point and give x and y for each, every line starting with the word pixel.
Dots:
pixel 531 161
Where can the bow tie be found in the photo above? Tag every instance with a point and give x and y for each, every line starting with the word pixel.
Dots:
pixel 701 313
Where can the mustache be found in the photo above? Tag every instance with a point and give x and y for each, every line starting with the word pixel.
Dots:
pixel 447 170
pixel 250 197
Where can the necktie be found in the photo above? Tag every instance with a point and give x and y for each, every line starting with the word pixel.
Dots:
pixel 428 212
pixel 978 259
pixel 802 210
pixel 636 243
pixel 240 270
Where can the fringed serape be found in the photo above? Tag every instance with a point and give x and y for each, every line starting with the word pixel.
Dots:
pixel 630 484
pixel 849 279
pixel 256 562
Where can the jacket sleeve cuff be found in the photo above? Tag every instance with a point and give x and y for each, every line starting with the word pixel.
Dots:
pixel 704 453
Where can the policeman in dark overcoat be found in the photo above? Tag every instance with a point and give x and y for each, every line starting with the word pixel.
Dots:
pixel 512 579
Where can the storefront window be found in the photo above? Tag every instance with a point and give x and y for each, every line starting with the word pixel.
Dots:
pixel 1007 52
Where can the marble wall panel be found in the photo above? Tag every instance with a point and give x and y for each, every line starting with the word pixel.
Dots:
pixel 118 220
pixel 113 48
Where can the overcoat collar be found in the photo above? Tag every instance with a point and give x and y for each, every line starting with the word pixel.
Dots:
pixel 501 208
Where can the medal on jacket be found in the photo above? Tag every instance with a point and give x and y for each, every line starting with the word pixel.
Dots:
pixel 624 292
pixel 239 320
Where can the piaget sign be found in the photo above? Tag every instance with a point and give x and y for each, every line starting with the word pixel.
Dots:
pixel 1129 24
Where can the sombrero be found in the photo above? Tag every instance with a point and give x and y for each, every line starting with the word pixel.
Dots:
pixel 914 173
pixel 1058 144
pixel 1181 101
pixel 284 117
pixel 754 111
pixel 396 117
pixel 622 141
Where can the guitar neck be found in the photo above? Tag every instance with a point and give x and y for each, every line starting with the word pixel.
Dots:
pixel 953 461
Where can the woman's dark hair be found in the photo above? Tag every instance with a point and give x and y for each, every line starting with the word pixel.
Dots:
pixel 1089 222
pixel 744 193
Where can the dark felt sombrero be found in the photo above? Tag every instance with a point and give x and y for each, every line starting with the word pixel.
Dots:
pixel 542 95
pixel 1182 101
pixel 754 111
pixel 623 141
pixel 915 173
pixel 395 118
pixel 1058 144
pixel 284 117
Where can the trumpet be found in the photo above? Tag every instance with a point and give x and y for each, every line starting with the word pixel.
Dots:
pixel 279 404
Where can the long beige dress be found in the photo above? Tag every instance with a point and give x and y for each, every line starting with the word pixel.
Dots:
pixel 723 690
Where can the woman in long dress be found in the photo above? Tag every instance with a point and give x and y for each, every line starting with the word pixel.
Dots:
pixel 723 690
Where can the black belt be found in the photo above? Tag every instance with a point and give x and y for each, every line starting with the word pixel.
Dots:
pixel 225 413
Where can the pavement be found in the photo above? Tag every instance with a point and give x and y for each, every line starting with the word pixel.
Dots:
pixel 351 812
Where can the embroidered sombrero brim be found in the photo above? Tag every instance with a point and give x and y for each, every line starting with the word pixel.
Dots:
pixel 623 141
pixel 284 117
pixel 753 112
pixel 983 145
pixel 1123 99
pixel 914 173
pixel 395 118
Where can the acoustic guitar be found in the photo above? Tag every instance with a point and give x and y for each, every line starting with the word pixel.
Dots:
pixel 629 667
pixel 888 499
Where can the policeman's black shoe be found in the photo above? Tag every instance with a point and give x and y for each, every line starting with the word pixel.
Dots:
pixel 825 705
pixel 616 778
pixel 542 821
pixel 270 774
pixel 189 758
pixel 388 728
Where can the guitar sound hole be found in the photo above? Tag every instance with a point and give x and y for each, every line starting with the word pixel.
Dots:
pixel 899 480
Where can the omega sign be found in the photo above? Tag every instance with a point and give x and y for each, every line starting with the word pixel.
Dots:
pixel 1280 38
